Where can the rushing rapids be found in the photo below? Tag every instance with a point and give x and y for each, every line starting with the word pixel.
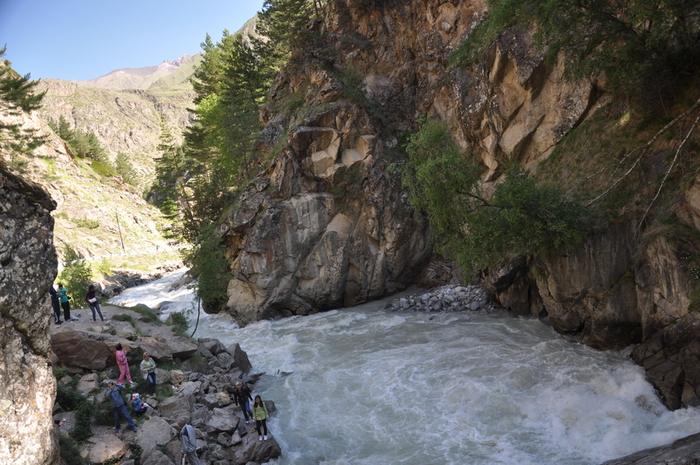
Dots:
pixel 367 386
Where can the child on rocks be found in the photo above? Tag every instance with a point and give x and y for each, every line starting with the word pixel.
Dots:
pixel 123 364
pixel 140 407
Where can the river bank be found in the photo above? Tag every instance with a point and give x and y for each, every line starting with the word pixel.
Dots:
pixel 195 381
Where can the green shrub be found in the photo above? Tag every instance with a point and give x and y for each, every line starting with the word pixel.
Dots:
pixel 103 413
pixel 68 398
pixel 520 218
pixel 82 430
pixel 179 322
pixel 70 454
pixel 75 276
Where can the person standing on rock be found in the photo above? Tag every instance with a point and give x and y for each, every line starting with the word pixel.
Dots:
pixel 55 304
pixel 94 304
pixel 123 364
pixel 260 415
pixel 65 304
pixel 119 406
pixel 242 398
pixel 189 442
pixel 148 368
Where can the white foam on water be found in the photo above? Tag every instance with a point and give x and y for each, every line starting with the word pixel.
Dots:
pixel 374 387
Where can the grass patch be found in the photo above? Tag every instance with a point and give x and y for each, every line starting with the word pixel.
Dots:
pixel 148 315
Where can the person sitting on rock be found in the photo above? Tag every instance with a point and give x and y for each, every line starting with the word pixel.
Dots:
pixel 140 407
pixel 114 394
pixel 241 397
pixel 189 442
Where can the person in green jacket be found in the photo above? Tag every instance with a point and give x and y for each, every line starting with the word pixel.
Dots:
pixel 64 299
pixel 260 416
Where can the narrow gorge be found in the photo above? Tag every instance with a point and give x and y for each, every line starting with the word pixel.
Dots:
pixel 325 222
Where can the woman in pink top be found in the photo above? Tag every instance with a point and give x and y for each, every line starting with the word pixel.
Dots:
pixel 123 364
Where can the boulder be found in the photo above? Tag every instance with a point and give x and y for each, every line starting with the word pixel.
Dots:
pixel 107 447
pixel 240 358
pixel 684 451
pixel 175 407
pixel 156 457
pixel 177 377
pixel 88 383
pixel 182 347
pixel 257 451
pixel 213 345
pixel 96 350
pixel 154 432
pixel 222 420
pixel 159 351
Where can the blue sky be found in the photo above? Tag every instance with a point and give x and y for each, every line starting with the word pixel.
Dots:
pixel 86 39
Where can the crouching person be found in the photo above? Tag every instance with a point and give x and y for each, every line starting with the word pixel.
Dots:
pixel 119 406
pixel 189 442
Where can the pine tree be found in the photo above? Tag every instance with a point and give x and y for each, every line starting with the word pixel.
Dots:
pixel 17 96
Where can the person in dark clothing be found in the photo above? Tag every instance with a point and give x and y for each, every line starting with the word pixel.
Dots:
pixel 91 300
pixel 242 398
pixel 114 394
pixel 56 305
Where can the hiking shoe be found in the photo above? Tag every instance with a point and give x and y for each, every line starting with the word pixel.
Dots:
pixel 135 429
pixel 260 438
pixel 265 437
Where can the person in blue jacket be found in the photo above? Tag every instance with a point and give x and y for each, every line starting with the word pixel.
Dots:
pixel 114 394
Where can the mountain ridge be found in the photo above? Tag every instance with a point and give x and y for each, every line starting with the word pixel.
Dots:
pixel 146 76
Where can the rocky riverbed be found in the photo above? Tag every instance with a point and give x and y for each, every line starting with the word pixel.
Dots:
pixel 449 298
pixel 195 381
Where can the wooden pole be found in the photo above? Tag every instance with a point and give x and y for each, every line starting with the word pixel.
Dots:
pixel 121 239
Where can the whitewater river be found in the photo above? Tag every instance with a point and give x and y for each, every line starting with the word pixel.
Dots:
pixel 374 387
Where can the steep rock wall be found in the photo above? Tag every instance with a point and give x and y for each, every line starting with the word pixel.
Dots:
pixel 27 268
pixel 328 225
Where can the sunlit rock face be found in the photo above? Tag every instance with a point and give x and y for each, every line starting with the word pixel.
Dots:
pixel 28 267
pixel 328 224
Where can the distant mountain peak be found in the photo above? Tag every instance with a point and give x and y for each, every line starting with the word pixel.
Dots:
pixel 145 77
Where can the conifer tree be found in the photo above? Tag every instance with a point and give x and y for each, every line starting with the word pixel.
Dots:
pixel 17 95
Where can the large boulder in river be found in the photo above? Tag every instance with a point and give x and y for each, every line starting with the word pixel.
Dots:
pixel 28 266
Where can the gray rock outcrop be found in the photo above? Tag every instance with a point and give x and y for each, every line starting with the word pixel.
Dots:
pixel 28 267
pixel 684 451
pixel 327 225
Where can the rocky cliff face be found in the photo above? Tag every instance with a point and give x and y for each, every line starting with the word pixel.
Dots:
pixel 27 268
pixel 328 224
